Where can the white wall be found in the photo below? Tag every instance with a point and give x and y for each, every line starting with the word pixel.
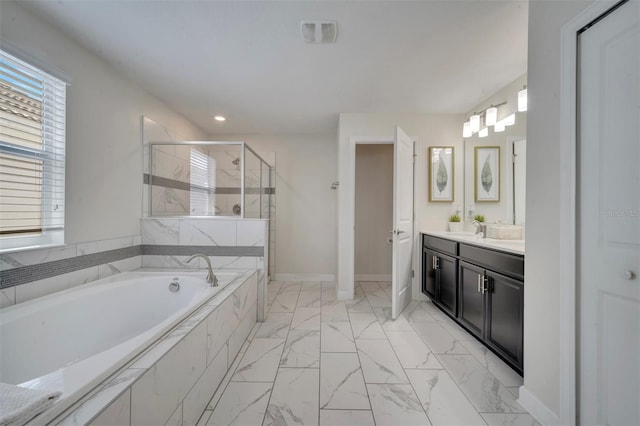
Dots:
pixel 428 130
pixel 374 210
pixel 305 204
pixel 502 210
pixel 104 150
pixel 542 268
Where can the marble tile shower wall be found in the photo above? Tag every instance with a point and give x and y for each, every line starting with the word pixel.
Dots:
pixel 38 263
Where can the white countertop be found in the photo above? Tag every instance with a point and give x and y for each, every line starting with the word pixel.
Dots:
pixel 509 246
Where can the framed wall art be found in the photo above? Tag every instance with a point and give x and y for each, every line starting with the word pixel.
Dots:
pixel 487 173
pixel 441 173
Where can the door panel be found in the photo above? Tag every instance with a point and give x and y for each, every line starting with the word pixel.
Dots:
pixel 402 222
pixel 472 306
pixel 505 306
pixel 608 233
pixel 429 273
pixel 448 279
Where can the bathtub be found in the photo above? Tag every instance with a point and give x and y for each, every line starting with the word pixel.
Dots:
pixel 72 340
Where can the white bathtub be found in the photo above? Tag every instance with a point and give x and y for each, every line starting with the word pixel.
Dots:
pixel 72 340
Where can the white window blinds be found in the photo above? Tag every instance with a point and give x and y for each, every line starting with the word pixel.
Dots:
pixel 32 155
pixel 203 182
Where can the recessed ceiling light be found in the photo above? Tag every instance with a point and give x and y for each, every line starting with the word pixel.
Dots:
pixel 219 118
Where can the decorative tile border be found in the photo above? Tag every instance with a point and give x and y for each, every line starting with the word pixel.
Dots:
pixel 186 186
pixel 29 273
pixel 174 250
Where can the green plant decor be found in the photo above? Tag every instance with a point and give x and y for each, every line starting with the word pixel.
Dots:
pixel 479 218
pixel 454 218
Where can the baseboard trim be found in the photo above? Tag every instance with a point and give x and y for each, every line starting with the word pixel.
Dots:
pixel 305 277
pixel 372 277
pixel 537 409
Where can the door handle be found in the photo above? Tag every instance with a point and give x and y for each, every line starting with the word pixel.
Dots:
pixel 479 282
pixel 629 275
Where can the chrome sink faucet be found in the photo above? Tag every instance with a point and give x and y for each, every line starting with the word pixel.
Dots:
pixel 481 228
pixel 211 277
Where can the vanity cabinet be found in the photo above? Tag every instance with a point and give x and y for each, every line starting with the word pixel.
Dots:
pixel 482 289
pixel 440 273
pixel 491 308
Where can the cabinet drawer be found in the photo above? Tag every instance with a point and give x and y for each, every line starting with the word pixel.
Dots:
pixel 440 244
pixel 508 264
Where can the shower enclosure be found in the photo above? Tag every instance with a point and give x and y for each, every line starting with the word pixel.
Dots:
pixel 227 179
pixel 202 179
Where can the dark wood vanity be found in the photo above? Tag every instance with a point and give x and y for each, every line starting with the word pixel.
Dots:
pixel 481 288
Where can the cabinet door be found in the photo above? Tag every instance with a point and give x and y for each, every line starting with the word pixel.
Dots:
pixel 429 274
pixel 448 284
pixel 505 303
pixel 472 300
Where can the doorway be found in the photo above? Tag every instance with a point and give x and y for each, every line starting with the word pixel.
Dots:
pixel 373 222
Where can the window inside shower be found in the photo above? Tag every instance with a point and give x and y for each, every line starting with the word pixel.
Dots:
pixel 225 179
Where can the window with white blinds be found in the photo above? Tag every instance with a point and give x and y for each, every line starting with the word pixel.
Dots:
pixel 202 178
pixel 32 155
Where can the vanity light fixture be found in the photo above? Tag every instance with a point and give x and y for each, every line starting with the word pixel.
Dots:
pixel 474 121
pixel 491 116
pixel 466 130
pixel 499 127
pixel 522 99
pixel 509 120
pixel 483 133
pixel 219 118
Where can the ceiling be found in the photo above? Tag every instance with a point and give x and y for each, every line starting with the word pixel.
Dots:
pixel 246 60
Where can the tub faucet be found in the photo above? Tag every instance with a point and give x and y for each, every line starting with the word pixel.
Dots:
pixel 480 228
pixel 211 277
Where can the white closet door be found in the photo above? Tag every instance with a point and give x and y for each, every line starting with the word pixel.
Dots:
pixel 609 220
pixel 402 222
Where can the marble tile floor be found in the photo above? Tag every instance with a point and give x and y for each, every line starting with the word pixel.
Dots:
pixel 319 361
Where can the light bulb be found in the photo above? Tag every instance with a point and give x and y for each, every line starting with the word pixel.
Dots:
pixel 491 116
pixel 474 121
pixel 484 132
pixel 522 100
pixel 466 130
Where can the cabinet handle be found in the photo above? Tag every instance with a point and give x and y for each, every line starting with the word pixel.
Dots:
pixel 479 281
pixel 484 282
pixel 436 262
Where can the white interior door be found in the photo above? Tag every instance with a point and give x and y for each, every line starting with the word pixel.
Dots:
pixel 608 233
pixel 402 222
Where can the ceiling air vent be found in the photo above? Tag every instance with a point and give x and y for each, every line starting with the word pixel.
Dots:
pixel 318 31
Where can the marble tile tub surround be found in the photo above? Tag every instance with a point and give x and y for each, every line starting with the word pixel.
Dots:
pixel 229 243
pixel 174 380
pixel 165 243
pixel 363 368
pixel 28 274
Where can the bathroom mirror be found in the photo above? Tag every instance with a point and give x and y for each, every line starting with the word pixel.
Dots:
pixel 511 173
